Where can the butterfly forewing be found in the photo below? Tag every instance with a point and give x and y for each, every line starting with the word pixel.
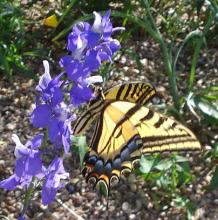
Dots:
pixel 131 92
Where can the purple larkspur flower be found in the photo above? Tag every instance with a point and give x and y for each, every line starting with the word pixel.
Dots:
pixel 84 40
pixel 49 88
pixel 59 127
pixel 57 119
pixel 54 174
pixel 51 112
pixel 28 163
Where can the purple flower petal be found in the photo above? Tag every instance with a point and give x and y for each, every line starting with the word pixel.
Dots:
pixel 80 94
pixel 34 164
pixel 65 61
pixel 41 115
pixel 44 79
pixel 48 194
pixel 52 182
pixel 73 39
pixel 21 217
pixel 54 130
pixel 57 96
pixel 81 28
pixel 107 25
pixel 114 45
pixel 66 136
pixel 93 60
pixel 36 141
pixel 20 166
pixel 93 39
pixel 102 25
pixel 10 183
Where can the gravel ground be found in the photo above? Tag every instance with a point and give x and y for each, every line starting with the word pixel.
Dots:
pixel 132 198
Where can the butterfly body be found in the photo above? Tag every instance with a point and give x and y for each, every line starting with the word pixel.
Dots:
pixel 125 130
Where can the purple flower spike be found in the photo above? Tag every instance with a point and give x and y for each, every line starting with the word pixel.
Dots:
pixel 54 174
pixel 28 163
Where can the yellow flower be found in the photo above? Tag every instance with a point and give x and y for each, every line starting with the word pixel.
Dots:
pixel 51 21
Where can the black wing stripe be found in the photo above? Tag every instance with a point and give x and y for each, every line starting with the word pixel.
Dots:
pixel 162 140
pixel 149 116
pixel 119 93
pixel 160 121
pixel 89 115
pixel 97 133
pixel 127 92
pixel 134 90
pixel 148 94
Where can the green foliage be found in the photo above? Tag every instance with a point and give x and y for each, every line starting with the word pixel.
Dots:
pixel 11 39
pixel 182 202
pixel 16 44
pixel 205 104
pixel 170 175
pixel 214 157
pixel 79 146
pixel 214 180
pixel 166 173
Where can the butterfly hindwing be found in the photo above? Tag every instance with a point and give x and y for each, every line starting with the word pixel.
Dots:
pixel 127 130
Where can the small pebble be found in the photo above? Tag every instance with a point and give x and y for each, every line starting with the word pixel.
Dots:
pixel 126 207
pixel 132 216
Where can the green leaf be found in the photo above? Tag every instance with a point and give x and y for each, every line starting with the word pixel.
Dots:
pixel 164 164
pixel 208 109
pixel 82 148
pixel 180 159
pixel 215 150
pixel 146 164
pixel 214 180
pixel 79 146
pixel 185 203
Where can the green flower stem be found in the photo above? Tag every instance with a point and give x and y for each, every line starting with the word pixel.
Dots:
pixel 198 47
pixel 67 11
pixel 171 75
pixel 166 58
pixel 28 195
